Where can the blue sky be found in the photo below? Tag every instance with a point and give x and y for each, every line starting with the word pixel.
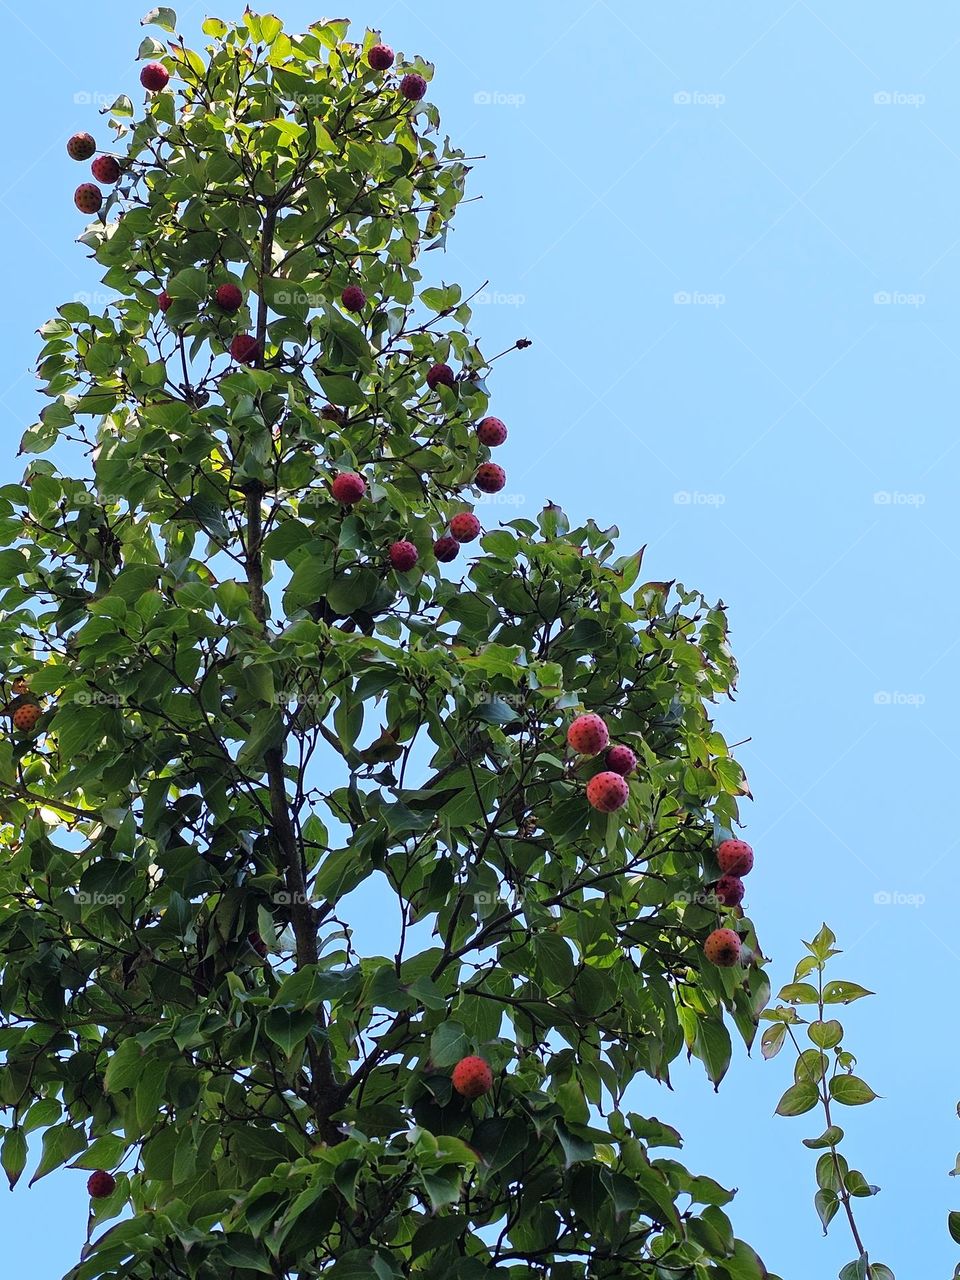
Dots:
pixel 731 232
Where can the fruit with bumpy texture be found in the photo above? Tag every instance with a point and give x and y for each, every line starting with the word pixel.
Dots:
pixel 164 301
pixel 490 478
pixel 440 374
pixel 621 760
pixel 106 169
pixel 353 298
pixel 101 1184
pixel 446 549
pixel 491 432
pixel 472 1077
pixel 608 791
pixel 465 527
pixel 403 555
pixel 413 87
pixel 734 857
pixel 154 77
pixel 229 298
pixel 81 146
pixel 722 948
pixel 245 349
pixel 729 890
pixel 26 716
pixel 588 735
pixel 348 488
pixel 380 57
pixel 88 198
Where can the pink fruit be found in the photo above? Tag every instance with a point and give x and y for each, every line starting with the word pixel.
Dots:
pixel 588 735
pixel 472 1077
pixel 154 77
pixel 348 488
pixel 380 57
pixel 490 478
pixel 734 857
pixel 229 297
pixel 403 555
pixel 440 374
pixel 465 527
pixel 729 890
pixel 446 549
pixel 164 301
pixel 621 760
pixel 353 298
pixel 413 87
pixel 491 432
pixel 106 169
pixel 245 349
pixel 88 198
pixel 722 948
pixel 81 146
pixel 101 1184
pixel 608 792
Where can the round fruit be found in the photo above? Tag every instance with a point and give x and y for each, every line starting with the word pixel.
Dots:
pixel 446 549
pixel 353 298
pixel 154 77
pixel 608 792
pixel 245 349
pixel 588 735
pixel 106 169
pixel 472 1077
pixel 621 760
pixel 348 488
pixel 380 57
pixel 229 297
pixel 413 87
pixel 101 1184
pixel 88 198
pixel 403 556
pixel 82 146
pixel 164 301
pixel 440 374
pixel 26 716
pixel 465 527
pixel 491 432
pixel 722 948
pixel 729 890
pixel 734 857
pixel 490 478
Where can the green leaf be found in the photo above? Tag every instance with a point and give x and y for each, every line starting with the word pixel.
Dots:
pixel 953 1225
pixel 851 1091
pixel 826 1035
pixel 843 993
pixel 798 1099
pixel 831 1137
pixel 712 1046
pixel 160 17
pixel 288 1028
pixel 13 1155
pixel 448 1044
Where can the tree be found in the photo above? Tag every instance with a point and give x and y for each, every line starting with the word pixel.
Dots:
pixel 235 724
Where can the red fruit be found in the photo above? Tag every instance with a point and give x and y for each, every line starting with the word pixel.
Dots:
pixel 446 549
pixel 403 556
pixel 229 297
pixel 490 478
pixel 491 432
pixel 164 301
pixel 621 760
pixel 735 857
pixel 465 527
pixel 380 57
pixel 106 169
pixel 413 87
pixel 348 488
pixel 729 890
pixel 26 716
pixel 608 792
pixel 245 349
pixel 472 1077
pixel 722 948
pixel 440 373
pixel 154 77
pixel 353 298
pixel 81 146
pixel 88 198
pixel 588 735
pixel 101 1184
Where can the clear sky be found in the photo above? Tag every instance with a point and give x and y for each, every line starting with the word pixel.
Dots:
pixel 784 439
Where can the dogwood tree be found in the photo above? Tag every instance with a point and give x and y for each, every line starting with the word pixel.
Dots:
pixel 267 681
